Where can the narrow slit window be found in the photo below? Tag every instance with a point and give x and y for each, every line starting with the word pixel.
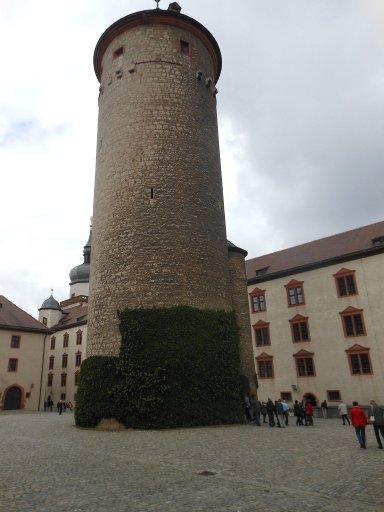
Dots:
pixel 152 193
pixel 184 47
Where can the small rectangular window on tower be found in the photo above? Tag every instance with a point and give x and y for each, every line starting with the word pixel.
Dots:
pixel 118 52
pixel 184 47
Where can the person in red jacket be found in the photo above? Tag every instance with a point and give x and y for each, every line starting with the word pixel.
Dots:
pixel 359 421
pixel 309 413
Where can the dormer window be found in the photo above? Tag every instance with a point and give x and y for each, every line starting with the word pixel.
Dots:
pixel 378 241
pixel 261 271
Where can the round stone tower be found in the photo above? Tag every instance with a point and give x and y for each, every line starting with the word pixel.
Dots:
pixel 159 236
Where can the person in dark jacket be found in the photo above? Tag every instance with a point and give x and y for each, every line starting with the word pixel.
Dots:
pixel 255 410
pixel 272 413
pixel 324 409
pixel 264 411
pixel 378 425
pixel 297 412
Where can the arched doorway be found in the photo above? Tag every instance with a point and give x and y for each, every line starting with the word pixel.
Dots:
pixel 309 397
pixel 12 399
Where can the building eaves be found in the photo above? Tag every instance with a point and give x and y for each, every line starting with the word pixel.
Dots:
pixel 315 265
pixel 350 245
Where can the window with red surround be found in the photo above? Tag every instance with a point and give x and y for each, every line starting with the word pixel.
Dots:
pixel 295 293
pixel 79 337
pixel 51 363
pixel 265 366
pixel 12 365
pixel 257 298
pixel 15 341
pixel 359 360
pixel 65 340
pixel 78 359
pixel 353 322
pixel 77 374
pixel 304 363
pixel 345 282
pixel 333 395
pixel 64 361
pixel 286 395
pixel 63 379
pixel 50 379
pixel 53 343
pixel 261 330
pixel 299 329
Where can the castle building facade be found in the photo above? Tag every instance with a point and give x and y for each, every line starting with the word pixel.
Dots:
pixel 317 316
pixel 22 342
pixel 67 344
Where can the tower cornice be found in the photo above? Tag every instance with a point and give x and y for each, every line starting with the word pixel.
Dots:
pixel 162 17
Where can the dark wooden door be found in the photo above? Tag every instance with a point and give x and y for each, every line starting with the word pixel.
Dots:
pixel 12 398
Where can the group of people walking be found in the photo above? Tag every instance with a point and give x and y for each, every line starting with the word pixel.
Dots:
pixel 277 413
pixel 61 406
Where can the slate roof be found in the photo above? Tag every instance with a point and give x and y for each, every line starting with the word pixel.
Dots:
pixel 14 318
pixel 77 315
pixel 357 243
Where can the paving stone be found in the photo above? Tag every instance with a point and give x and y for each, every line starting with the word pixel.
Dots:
pixel 48 464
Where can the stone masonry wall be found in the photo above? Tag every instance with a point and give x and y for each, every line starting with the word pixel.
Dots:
pixel 159 236
pixel 241 309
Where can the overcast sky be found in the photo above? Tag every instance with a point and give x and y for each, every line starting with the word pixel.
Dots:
pixel 301 119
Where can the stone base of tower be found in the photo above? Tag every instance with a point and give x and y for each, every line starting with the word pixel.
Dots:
pixel 236 265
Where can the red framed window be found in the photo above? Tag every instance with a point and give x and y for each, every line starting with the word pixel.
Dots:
pixel 78 359
pixel 257 298
pixel 77 375
pixel 345 282
pixel 265 366
pixel 261 330
pixel 64 361
pixel 79 337
pixel 63 379
pixel 13 364
pixel 353 322
pixel 53 343
pixel 50 379
pixel 51 363
pixel 299 329
pixel 15 341
pixel 65 340
pixel 295 293
pixel 333 395
pixel 305 366
pixel 359 360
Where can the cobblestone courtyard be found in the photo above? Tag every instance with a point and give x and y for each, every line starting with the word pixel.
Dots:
pixel 49 465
